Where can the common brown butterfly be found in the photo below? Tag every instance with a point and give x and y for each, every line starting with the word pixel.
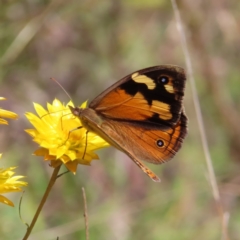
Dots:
pixel 141 115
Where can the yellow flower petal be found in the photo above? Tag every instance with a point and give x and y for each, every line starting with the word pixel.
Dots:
pixel 61 136
pixel 3 121
pixel 6 114
pixel 6 201
pixel 9 183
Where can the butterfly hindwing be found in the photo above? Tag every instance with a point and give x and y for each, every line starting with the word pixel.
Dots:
pixel 141 142
pixel 145 143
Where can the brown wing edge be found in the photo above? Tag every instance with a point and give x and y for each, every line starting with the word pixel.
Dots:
pixel 184 130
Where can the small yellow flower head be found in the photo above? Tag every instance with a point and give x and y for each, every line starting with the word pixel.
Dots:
pixel 6 114
pixel 61 138
pixel 9 183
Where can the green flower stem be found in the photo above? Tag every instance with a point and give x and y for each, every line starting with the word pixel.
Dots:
pixel 45 196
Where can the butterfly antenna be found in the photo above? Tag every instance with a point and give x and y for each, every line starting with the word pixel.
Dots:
pixel 61 87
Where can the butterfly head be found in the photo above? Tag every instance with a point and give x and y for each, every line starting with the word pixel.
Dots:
pixel 76 111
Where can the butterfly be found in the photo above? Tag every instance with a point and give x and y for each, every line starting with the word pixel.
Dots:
pixel 141 115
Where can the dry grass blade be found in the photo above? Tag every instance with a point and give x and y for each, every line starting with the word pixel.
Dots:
pixel 85 213
pixel 211 174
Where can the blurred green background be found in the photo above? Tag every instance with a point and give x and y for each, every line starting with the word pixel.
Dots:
pixel 87 46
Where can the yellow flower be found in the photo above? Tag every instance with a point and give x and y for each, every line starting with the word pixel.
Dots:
pixel 6 114
pixel 9 183
pixel 61 137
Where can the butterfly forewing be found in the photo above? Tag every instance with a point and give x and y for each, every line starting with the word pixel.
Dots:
pixel 152 94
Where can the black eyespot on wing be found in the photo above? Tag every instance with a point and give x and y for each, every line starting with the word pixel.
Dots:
pixel 178 78
pixel 163 79
pixel 160 143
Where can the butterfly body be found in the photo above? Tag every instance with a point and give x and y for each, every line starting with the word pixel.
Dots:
pixel 94 123
pixel 141 115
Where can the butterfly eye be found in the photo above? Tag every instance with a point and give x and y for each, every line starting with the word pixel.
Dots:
pixel 160 143
pixel 163 79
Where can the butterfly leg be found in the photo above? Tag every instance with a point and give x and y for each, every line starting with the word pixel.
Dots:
pixel 85 149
